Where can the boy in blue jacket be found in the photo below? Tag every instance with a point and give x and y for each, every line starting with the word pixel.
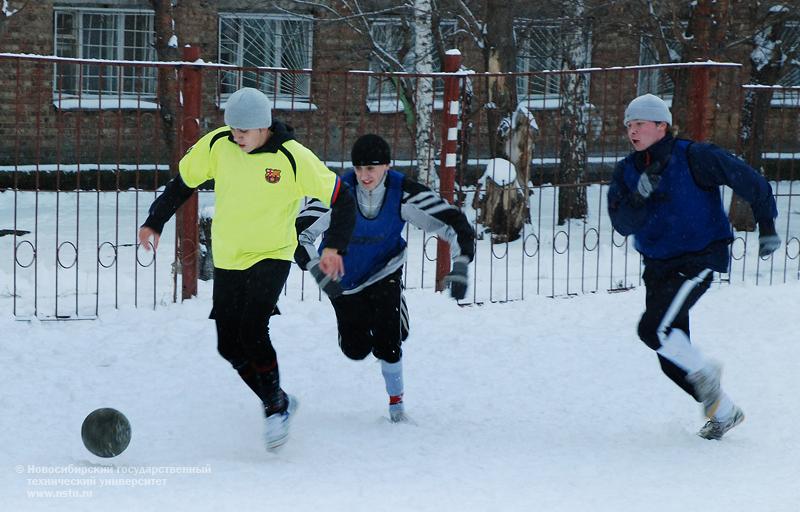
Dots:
pixel 666 193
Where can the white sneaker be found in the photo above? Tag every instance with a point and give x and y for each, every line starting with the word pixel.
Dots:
pixel 277 431
pixel 397 413
pixel 706 382
pixel 714 429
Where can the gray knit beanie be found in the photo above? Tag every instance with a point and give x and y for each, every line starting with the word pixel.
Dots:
pixel 648 108
pixel 248 109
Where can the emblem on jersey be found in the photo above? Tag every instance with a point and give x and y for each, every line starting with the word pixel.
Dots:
pixel 272 175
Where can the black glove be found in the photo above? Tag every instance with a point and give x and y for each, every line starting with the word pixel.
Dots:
pixel 457 278
pixel 649 180
pixel 327 284
pixel 768 240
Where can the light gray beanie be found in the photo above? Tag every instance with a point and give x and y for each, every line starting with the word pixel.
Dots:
pixel 648 108
pixel 248 109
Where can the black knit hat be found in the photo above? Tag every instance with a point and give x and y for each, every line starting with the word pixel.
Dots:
pixel 370 149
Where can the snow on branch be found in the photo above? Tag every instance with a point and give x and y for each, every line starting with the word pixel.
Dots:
pixel 7 10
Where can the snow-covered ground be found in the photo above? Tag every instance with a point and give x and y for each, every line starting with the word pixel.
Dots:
pixel 542 404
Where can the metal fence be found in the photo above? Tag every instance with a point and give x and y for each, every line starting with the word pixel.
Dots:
pixel 78 174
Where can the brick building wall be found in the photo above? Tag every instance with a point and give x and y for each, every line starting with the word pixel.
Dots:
pixel 33 129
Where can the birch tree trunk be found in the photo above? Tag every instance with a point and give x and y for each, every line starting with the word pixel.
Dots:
pixel 423 97
pixel 574 114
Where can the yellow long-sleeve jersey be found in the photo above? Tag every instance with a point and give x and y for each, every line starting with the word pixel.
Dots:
pixel 258 194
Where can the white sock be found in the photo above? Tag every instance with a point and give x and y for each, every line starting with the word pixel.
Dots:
pixel 393 377
pixel 679 350
pixel 724 409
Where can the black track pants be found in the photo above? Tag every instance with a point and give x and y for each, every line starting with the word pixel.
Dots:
pixel 243 302
pixel 669 296
pixel 373 320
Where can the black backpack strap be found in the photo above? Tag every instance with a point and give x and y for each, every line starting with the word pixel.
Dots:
pixel 692 171
pixel 291 159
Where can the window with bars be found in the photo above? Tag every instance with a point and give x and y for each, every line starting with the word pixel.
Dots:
pixel 790 39
pixel 390 36
pixel 538 49
pixel 104 34
pixel 253 40
pixel 656 81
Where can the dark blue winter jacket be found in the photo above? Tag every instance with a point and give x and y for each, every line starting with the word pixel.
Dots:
pixel 684 219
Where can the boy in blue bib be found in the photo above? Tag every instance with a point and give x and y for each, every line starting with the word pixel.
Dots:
pixel 666 194
pixel 371 312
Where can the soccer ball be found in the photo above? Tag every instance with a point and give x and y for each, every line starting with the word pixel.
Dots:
pixel 106 432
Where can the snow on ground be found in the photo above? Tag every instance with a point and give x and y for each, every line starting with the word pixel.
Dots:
pixel 542 404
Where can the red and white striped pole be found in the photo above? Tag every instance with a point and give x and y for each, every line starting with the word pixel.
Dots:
pixel 447 167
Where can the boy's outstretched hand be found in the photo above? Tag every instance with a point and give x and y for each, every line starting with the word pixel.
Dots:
pixel 145 236
pixel 457 278
pixel 327 270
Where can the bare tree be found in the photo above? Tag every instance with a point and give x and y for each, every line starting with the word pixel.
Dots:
pixel 574 112
pixel 503 209
pixel 167 50
pixel 724 30
pixel 500 56
pixel 767 57
pixel 9 10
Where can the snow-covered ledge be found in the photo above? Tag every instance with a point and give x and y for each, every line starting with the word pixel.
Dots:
pixel 102 103
pixel 116 103
pixel 386 106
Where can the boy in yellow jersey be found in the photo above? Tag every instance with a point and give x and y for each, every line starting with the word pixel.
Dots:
pixel 261 175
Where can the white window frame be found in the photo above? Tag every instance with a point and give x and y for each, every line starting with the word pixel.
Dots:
pixel 133 91
pixel 300 97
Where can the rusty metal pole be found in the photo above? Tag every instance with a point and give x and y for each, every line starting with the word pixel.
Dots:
pixel 447 167
pixel 700 107
pixel 190 132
